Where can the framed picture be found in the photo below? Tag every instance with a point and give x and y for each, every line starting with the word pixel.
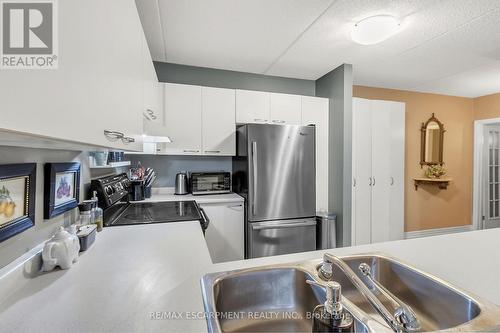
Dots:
pixel 62 188
pixel 17 198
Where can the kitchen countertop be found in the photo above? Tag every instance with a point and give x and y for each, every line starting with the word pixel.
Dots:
pixel 132 271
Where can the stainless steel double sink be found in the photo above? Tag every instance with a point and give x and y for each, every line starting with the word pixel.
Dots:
pixel 277 298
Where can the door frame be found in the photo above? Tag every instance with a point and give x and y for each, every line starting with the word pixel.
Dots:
pixel 477 180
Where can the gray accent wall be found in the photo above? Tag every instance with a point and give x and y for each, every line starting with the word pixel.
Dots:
pixel 211 77
pixel 166 167
pixel 17 245
pixel 337 86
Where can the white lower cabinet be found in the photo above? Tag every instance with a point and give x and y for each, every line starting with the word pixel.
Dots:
pixel 378 171
pixel 225 233
pixel 315 112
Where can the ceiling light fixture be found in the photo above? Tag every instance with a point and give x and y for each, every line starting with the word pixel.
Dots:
pixel 375 29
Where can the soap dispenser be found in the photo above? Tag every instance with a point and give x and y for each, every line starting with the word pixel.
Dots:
pixel 330 317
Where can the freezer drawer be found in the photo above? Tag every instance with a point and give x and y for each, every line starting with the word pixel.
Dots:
pixel 271 238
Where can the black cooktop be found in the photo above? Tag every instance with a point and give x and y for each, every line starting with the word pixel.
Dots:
pixel 155 212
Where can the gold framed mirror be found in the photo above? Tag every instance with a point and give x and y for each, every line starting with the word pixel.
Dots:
pixel 432 137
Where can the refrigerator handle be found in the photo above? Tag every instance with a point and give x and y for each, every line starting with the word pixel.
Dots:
pixel 266 226
pixel 254 166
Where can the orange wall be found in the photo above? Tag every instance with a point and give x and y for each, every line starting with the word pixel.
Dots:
pixel 487 107
pixel 430 207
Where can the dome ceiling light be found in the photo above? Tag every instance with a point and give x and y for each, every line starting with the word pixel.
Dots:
pixel 375 29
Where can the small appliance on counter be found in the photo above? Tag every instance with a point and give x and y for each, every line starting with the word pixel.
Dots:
pixel 210 183
pixel 181 184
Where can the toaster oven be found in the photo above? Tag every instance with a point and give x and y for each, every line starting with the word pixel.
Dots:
pixel 210 183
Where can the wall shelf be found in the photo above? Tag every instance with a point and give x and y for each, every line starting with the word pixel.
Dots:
pixel 111 165
pixel 442 183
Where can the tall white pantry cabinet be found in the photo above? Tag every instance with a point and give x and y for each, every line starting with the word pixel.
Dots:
pixel 378 171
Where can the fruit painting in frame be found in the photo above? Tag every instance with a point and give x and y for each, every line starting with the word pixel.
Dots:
pixel 62 188
pixel 17 198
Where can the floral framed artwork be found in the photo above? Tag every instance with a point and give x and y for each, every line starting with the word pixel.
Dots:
pixel 17 198
pixel 62 188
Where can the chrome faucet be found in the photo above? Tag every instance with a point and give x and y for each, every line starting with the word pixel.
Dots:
pixel 403 320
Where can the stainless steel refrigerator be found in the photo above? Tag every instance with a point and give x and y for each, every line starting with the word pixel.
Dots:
pixel 274 170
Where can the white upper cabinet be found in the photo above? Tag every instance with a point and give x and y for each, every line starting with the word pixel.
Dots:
pixel 285 109
pixel 182 119
pixel 315 112
pixel 252 107
pixel 153 90
pixel 98 85
pixel 218 121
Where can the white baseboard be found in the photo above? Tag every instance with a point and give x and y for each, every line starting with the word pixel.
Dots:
pixel 438 231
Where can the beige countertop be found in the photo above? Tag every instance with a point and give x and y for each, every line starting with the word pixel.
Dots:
pixel 134 271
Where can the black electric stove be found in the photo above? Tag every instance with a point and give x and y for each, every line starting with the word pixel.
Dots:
pixel 118 211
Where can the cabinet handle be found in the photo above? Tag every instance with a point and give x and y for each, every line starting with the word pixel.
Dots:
pixel 354 182
pixel 114 135
pixel 191 151
pixel 278 121
pixel 236 207
pixel 212 151
pixel 127 140
pixel 392 181
pixel 373 181
pixel 260 120
pixel 152 114
pixel 370 183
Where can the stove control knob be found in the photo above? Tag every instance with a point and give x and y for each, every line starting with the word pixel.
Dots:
pixel 109 190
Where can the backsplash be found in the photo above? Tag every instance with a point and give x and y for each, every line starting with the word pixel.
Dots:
pixel 166 167
pixel 16 246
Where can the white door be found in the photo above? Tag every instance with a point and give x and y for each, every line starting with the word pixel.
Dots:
pixel 397 167
pixel 252 107
pixel 381 170
pixel 315 112
pixel 362 172
pixel 182 119
pixel 491 202
pixel 218 121
pixel 225 232
pixel 285 109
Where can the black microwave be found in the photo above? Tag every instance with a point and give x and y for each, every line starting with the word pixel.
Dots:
pixel 210 183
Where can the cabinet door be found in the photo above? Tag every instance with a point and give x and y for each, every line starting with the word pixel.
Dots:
pixel 225 233
pixel 362 173
pixel 285 109
pixel 252 107
pixel 182 119
pixel 315 112
pixel 397 167
pixel 97 86
pixel 381 170
pixel 118 71
pixel 153 92
pixel 218 121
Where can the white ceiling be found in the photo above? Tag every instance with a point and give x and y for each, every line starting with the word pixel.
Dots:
pixel 446 46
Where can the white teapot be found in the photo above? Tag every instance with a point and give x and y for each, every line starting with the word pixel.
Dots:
pixel 62 250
